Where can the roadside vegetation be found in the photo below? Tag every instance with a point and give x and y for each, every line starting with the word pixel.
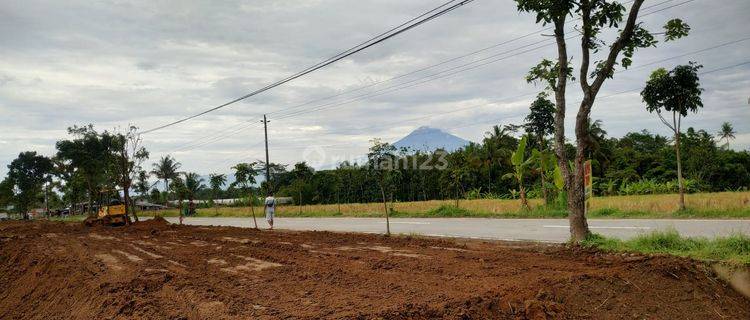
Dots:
pixel 701 205
pixel 733 249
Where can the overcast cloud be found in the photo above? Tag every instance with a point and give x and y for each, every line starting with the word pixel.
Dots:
pixel 111 63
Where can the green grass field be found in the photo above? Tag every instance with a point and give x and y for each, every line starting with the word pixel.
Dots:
pixel 734 249
pixel 700 205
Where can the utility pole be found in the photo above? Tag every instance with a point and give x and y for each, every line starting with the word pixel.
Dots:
pixel 268 171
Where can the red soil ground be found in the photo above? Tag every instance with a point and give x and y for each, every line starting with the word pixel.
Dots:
pixel 155 270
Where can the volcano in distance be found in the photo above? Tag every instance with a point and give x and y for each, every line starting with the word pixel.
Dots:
pixel 428 139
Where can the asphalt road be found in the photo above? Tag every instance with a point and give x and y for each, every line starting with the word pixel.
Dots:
pixel 549 230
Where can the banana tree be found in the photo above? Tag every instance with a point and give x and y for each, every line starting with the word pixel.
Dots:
pixel 521 167
pixel 559 181
pixel 545 164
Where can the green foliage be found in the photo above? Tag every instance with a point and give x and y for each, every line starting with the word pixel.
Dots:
pixel 675 91
pixel 546 73
pixel 726 133
pixel 733 249
pixel 166 169
pixel 541 120
pixel 216 181
pixel 652 186
pixel 244 175
pixel 193 184
pixel 547 11
pixel 6 193
pixel 27 174
pixel 675 29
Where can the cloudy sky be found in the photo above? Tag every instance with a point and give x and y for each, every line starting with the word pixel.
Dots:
pixel 147 63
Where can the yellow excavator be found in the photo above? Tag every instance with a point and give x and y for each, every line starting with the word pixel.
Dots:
pixel 110 212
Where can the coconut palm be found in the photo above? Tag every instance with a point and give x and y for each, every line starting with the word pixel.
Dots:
pixel 596 136
pixel 726 133
pixel 166 169
pixel 193 185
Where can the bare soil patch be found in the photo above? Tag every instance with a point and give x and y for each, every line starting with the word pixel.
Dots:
pixel 153 270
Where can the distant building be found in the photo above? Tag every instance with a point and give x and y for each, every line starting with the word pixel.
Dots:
pixel 230 202
pixel 148 206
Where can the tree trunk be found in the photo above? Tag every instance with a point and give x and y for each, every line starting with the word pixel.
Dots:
pixel 524 201
pixel 579 228
pixel 128 205
pixel 544 187
pixel 166 192
pixel 252 210
pixel 385 208
pixel 680 181
pixel 541 172
pixel 179 207
pixel 559 138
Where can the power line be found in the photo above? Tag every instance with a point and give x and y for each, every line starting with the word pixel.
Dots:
pixel 372 94
pixel 475 123
pixel 381 91
pixel 423 18
pixel 467 67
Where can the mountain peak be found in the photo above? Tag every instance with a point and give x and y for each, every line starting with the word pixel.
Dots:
pixel 429 139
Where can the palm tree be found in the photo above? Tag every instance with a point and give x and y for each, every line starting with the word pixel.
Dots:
pixel 596 135
pixel 727 133
pixel 216 181
pixel 193 185
pixel 166 169
pixel 495 141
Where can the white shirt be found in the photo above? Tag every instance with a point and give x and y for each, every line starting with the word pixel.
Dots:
pixel 270 204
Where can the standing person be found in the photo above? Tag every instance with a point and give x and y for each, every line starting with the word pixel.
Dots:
pixel 270 208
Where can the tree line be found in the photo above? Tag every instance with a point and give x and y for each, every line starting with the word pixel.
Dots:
pixel 510 162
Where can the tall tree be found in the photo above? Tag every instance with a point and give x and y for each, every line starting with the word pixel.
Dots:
pixel 142 185
pixel 382 162
pixel 541 122
pixel 71 181
pixel 216 181
pixel 91 155
pixel 301 172
pixel 129 157
pixel 276 169
pixel 677 91
pixel 596 17
pixel 166 169
pixel 6 193
pixel 27 174
pixel 193 185
pixel 726 133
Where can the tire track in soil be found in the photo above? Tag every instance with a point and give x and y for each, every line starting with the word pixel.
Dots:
pixel 152 270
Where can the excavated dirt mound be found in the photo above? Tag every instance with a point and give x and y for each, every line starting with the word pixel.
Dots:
pixel 155 270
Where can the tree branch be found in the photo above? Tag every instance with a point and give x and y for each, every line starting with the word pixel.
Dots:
pixel 617 46
pixel 585 45
pixel 562 78
pixel 664 121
